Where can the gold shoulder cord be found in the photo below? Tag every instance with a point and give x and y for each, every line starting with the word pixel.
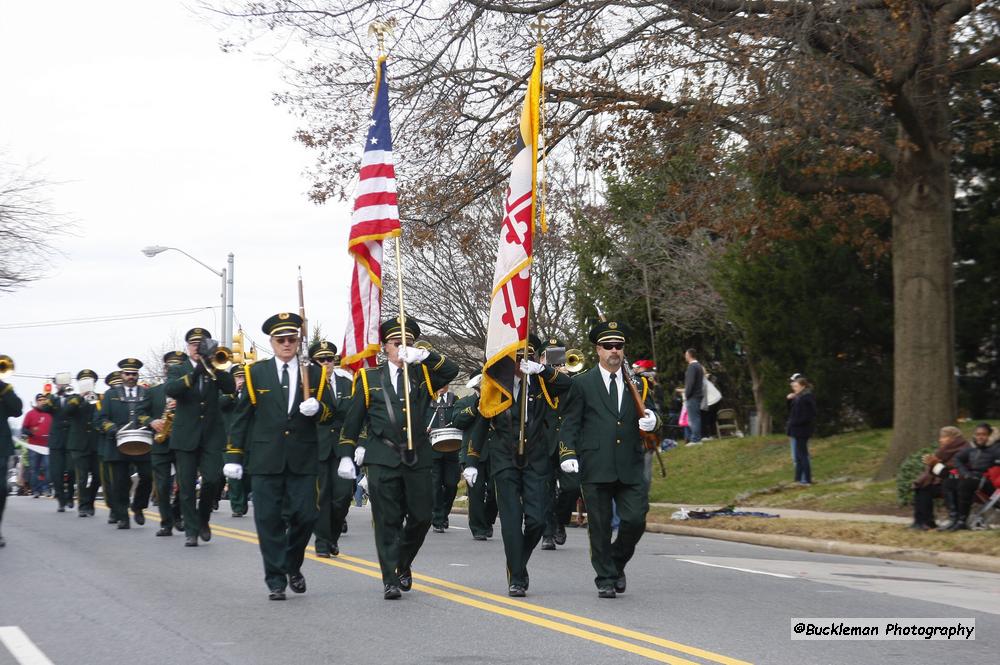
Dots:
pixel 427 380
pixel 322 383
pixel 545 391
pixel 364 384
pixel 249 382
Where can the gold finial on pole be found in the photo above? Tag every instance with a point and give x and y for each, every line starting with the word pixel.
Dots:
pixel 380 29
pixel 539 26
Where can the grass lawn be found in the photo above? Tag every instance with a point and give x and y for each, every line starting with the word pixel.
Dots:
pixel 759 471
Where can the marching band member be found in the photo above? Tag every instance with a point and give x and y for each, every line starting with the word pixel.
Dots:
pixel 10 407
pixel 81 441
pixel 161 455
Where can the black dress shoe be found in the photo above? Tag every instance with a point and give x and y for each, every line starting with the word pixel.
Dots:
pixel 179 527
pixel 191 541
pixel 165 531
pixel 61 509
pixel 297 583
pixel 606 592
pixel 438 529
pixel 560 537
pixel 620 584
pixel 140 519
pixel 489 532
pixel 236 513
pixel 391 592
pixel 323 554
pixel 343 527
pixel 405 579
pixel 516 591
pixel 91 512
pixel 82 513
pixel 112 520
pixel 3 543
pixel 123 524
pixel 334 550
pixel 205 533
pixel 445 524
pixel 960 525
pixel 479 536
pixel 548 543
pixel 69 504
pixel 273 594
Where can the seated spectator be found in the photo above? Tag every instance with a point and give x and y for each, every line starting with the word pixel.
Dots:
pixel 928 485
pixel 972 463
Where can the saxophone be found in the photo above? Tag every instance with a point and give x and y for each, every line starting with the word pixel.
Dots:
pixel 168 424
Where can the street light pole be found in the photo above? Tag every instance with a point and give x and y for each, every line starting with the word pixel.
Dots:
pixel 226 295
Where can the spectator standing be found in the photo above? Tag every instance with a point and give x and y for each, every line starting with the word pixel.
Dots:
pixel 37 425
pixel 801 425
pixel 694 395
pixel 928 486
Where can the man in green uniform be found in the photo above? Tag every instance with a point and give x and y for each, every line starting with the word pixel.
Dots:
pixel 334 492
pixel 10 407
pixel 522 480
pixel 399 478
pixel 239 488
pixel 127 404
pixel 61 474
pixel 600 439
pixel 104 444
pixel 162 458
pixel 482 496
pixel 274 434
pixel 565 486
pixel 445 470
pixel 198 438
pixel 81 441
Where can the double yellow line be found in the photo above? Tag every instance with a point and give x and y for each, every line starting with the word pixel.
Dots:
pixel 544 617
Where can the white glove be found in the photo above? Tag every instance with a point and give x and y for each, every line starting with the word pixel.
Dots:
pixel 938 469
pixel 340 371
pixel 570 466
pixel 346 469
pixel 474 382
pixel 648 421
pixel 309 408
pixel 412 354
pixel 531 367
pixel 470 474
pixel 234 471
pixel 359 455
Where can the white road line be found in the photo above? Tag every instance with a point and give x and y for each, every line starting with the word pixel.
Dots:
pixel 23 649
pixel 742 570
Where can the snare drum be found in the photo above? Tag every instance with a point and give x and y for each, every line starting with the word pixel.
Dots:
pixel 446 439
pixel 134 442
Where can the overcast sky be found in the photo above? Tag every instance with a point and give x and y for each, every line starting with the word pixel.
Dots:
pixel 155 136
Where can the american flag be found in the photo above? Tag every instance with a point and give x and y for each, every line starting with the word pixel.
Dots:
pixel 375 218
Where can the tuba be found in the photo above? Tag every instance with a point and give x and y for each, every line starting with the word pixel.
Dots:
pixel 6 367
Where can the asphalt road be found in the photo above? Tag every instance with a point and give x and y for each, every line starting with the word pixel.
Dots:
pixel 83 592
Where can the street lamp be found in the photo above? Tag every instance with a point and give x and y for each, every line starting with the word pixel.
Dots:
pixel 227 286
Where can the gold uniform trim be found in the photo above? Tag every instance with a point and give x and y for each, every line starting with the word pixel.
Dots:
pixel 545 391
pixel 248 380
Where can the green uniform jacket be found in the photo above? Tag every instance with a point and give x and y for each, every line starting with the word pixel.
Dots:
pixel 59 432
pixel 82 435
pixel 115 413
pixel 506 426
pixel 98 427
pixel 464 415
pixel 606 443
pixel 157 408
pixel 329 432
pixel 197 418
pixel 11 406
pixel 369 407
pixel 266 437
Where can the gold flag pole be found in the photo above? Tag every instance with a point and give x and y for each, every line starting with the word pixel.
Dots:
pixel 409 456
pixel 520 459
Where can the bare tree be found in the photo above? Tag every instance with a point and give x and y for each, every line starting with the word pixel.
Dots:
pixel 27 226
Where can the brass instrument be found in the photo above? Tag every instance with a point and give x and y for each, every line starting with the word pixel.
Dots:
pixel 574 361
pixel 219 358
pixel 6 367
pixel 168 424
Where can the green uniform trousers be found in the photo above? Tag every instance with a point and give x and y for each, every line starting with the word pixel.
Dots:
pixel 523 497
pixel 196 507
pixel 609 558
pixel 239 489
pixel 445 473
pixel 564 494
pixel 60 465
pixel 105 469
pixel 121 486
pixel 482 502
pixel 88 479
pixel 398 495
pixel 335 496
pixel 163 481
pixel 283 538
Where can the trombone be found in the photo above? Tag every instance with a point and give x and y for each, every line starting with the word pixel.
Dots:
pixel 6 367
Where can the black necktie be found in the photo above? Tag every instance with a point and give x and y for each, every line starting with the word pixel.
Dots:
pixel 284 384
pixel 613 391
pixel 399 381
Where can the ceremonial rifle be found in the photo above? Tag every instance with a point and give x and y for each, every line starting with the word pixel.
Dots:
pixel 303 343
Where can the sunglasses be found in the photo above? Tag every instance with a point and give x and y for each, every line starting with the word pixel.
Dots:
pixel 130 373
pixel 324 360
pixel 608 346
pixel 286 340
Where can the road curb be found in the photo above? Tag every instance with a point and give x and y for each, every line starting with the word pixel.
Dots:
pixel 980 562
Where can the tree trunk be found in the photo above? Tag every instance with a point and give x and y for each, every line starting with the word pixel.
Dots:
pixel 924 392
pixel 764 422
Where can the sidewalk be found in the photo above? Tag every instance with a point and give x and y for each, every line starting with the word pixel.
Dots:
pixel 795 514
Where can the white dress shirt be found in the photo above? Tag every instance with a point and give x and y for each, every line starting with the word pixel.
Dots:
pixel 606 375
pixel 293 377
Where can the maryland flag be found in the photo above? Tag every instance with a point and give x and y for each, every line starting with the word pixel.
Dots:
pixel 511 297
pixel 375 218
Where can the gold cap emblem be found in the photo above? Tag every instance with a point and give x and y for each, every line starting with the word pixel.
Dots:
pixel 283 316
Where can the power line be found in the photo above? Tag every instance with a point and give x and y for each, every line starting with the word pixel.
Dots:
pixel 103 319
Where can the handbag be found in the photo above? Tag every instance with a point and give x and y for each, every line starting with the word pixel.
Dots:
pixel 683 420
